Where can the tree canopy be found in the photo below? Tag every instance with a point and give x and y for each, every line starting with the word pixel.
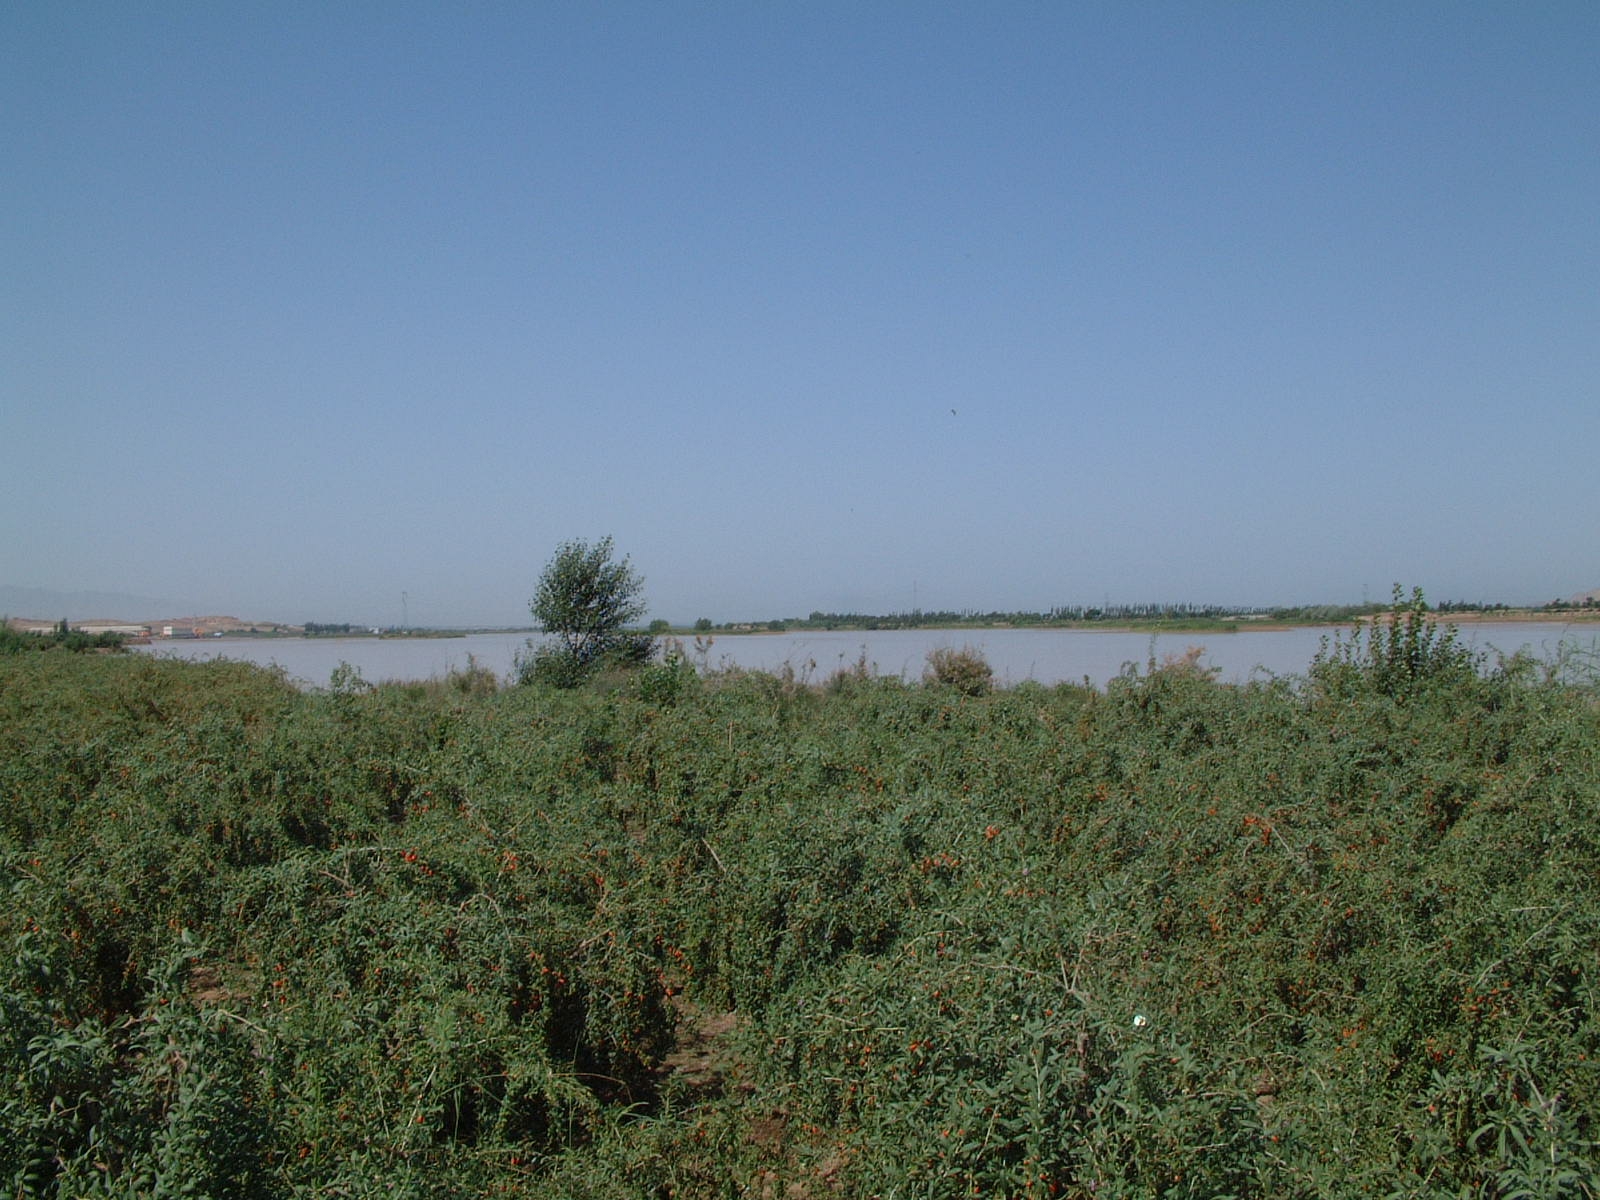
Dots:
pixel 587 599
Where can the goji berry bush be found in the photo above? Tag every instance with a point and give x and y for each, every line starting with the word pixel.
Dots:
pixel 736 934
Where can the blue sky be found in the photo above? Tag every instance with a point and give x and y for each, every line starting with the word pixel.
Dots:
pixel 822 306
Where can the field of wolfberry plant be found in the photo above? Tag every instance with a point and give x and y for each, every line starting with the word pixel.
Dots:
pixel 737 936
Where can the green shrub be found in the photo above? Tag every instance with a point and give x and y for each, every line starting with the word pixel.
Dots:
pixel 1396 653
pixel 965 670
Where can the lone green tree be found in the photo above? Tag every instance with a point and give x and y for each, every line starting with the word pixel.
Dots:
pixel 587 600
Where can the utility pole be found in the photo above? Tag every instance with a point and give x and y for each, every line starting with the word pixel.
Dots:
pixel 405 611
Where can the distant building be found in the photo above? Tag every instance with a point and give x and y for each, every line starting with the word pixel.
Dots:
pixel 24 625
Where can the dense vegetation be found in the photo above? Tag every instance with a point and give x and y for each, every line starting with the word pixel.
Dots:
pixel 62 637
pixel 674 936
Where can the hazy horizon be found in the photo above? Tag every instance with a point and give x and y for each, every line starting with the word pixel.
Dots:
pixel 839 307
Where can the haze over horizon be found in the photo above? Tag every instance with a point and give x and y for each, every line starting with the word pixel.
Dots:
pixel 839 307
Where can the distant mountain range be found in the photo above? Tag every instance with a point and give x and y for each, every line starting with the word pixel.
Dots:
pixel 48 604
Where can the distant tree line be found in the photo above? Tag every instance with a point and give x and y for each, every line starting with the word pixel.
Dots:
pixel 1117 614
pixel 318 629
pixel 1587 602
pixel 945 618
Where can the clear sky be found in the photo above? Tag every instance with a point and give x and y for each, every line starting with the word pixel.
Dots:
pixel 843 306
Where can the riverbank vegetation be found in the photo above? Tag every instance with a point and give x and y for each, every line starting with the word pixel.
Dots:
pixel 671 934
pixel 1198 618
pixel 62 637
